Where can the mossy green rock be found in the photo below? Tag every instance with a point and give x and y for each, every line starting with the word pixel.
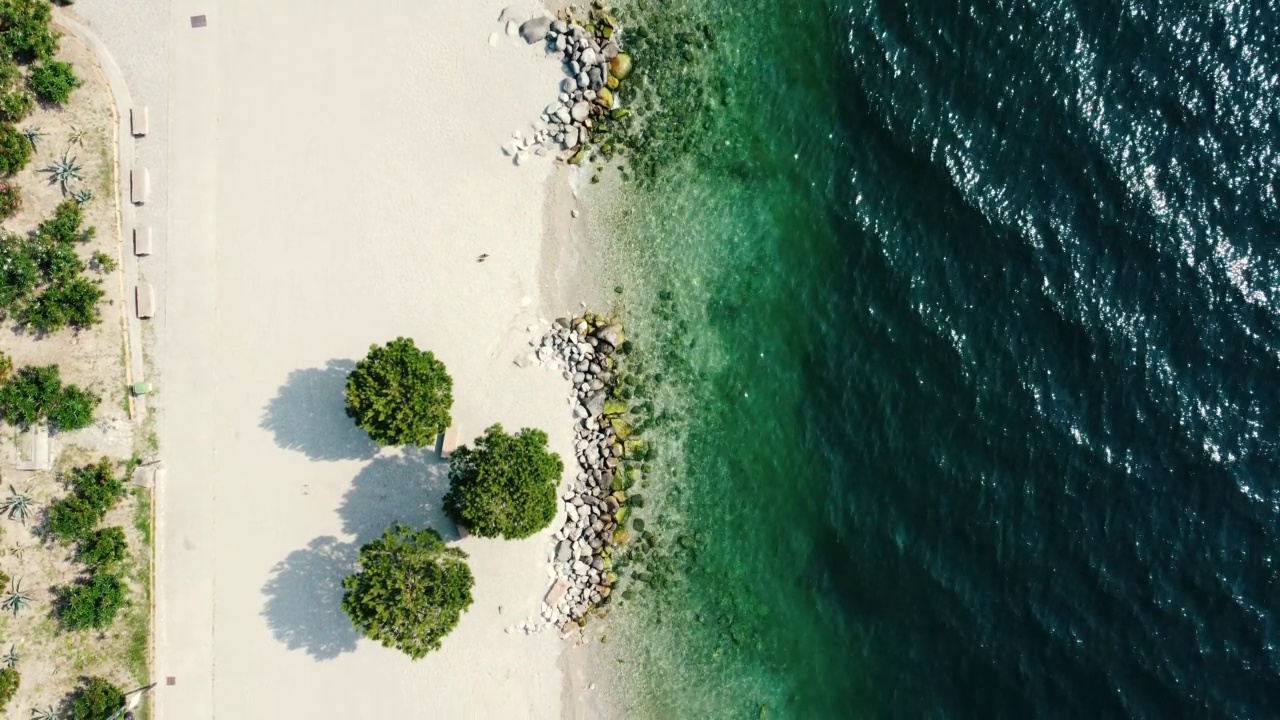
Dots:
pixel 618 483
pixel 620 428
pixel 621 536
pixel 634 448
pixel 612 84
pixel 620 66
pixel 604 96
pixel 618 113
pixel 614 407
pixel 621 515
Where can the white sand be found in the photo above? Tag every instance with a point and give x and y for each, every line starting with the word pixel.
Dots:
pixel 327 174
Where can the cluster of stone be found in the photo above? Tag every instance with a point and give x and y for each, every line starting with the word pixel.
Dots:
pixel 594 66
pixel 595 502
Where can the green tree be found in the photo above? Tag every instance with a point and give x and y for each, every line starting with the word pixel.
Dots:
pixel 52 81
pixel 15 150
pixel 399 394
pixel 9 681
pixel 90 603
pixel 409 590
pixel 505 486
pixel 96 699
pixel 25 31
pixel 103 548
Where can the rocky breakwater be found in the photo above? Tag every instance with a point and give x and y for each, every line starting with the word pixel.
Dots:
pixel 594 66
pixel 606 449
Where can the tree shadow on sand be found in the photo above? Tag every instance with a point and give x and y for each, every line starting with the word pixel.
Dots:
pixel 407 488
pixel 304 599
pixel 304 593
pixel 308 414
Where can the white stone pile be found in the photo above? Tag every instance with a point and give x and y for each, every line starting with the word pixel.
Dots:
pixel 584 92
pixel 578 553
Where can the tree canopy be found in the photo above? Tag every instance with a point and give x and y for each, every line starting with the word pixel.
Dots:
pixel 505 485
pixel 399 394
pixel 409 590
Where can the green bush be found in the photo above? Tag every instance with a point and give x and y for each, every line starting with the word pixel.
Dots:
pixel 19 273
pixel 72 518
pixel 103 548
pixel 64 227
pixel 504 486
pixel 95 489
pixel 15 150
pixel 96 699
pixel 52 81
pixel 16 102
pixel 9 681
pixel 104 262
pixel 399 394
pixel 69 303
pixel 10 200
pixel 25 31
pixel 90 603
pixel 409 590
pixel 34 394
pixel 43 284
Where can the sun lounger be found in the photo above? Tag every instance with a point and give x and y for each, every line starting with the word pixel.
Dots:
pixel 139 185
pixel 145 295
pixel 142 240
pixel 138 120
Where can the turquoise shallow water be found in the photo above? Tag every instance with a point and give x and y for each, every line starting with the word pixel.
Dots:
pixel 961 321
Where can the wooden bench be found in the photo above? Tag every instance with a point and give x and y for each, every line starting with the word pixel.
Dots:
pixel 139 185
pixel 145 297
pixel 142 240
pixel 448 443
pixel 139 121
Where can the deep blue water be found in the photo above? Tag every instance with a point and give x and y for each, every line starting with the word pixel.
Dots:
pixel 963 323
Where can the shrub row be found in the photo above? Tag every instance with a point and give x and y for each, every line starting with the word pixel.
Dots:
pixel 94 599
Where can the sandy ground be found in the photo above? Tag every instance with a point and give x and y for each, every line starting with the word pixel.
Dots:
pixel 326 176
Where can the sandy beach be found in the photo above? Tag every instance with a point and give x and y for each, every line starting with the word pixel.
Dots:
pixel 326 178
